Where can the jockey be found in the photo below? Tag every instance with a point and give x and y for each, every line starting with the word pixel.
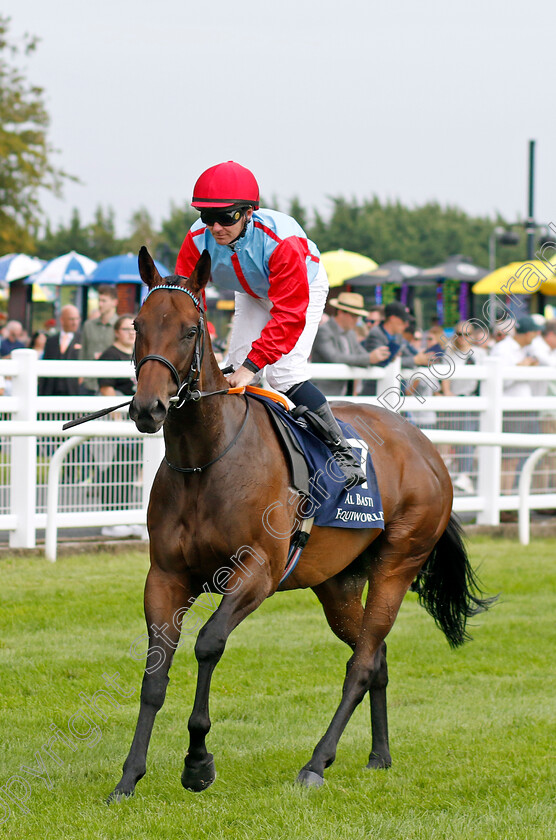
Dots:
pixel 280 290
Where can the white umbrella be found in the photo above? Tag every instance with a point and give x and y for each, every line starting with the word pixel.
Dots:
pixel 68 270
pixel 16 266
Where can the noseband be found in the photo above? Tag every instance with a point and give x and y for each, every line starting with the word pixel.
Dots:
pixel 188 389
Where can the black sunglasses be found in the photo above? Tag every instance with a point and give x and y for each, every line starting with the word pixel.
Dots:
pixel 226 218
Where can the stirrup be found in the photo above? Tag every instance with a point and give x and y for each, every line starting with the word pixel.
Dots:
pixel 327 429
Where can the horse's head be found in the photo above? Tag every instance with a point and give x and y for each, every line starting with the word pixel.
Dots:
pixel 169 339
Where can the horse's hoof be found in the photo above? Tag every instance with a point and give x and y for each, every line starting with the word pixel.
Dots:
pixel 199 776
pixel 309 779
pixel 378 762
pixel 118 795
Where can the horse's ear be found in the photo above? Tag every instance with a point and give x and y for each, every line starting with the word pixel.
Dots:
pixel 201 275
pixel 147 268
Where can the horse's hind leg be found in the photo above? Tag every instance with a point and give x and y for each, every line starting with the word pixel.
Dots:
pixel 341 601
pixel 388 583
pixel 380 758
pixel 166 598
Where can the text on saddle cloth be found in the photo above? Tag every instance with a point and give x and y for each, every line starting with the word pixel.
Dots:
pixel 331 504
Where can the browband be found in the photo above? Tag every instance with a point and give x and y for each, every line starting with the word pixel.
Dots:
pixel 195 300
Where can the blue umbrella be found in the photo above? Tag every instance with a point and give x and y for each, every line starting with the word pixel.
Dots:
pixel 16 266
pixel 122 269
pixel 70 269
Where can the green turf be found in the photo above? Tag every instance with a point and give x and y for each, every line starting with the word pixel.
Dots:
pixel 471 730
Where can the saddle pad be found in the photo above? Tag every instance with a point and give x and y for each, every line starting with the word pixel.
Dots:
pixel 329 501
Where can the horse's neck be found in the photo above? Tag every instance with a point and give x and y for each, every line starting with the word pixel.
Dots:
pixel 196 433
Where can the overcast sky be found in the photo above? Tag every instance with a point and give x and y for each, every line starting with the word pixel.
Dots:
pixel 407 100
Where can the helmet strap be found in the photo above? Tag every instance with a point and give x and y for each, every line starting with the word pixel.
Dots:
pixel 240 235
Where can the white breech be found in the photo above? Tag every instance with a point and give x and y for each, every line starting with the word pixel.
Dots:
pixel 252 315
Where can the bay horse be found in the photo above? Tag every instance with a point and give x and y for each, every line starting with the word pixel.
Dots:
pixel 223 470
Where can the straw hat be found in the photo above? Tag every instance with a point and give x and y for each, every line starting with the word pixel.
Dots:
pixel 350 302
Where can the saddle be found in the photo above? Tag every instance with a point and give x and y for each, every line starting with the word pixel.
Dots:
pixel 295 457
pixel 315 474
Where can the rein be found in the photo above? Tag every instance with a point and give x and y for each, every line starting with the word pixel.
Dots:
pixel 218 457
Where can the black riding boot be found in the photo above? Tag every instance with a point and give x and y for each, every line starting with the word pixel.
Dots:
pixel 331 434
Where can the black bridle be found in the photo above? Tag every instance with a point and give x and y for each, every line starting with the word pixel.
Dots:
pixel 188 389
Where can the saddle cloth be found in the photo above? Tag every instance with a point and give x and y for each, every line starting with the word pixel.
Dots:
pixel 328 500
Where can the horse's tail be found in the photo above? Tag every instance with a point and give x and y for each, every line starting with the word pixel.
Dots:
pixel 448 587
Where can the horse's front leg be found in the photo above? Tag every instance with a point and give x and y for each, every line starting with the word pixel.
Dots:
pixel 199 771
pixel 166 599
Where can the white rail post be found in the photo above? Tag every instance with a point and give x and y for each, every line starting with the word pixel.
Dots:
pixel 23 481
pixel 56 464
pixel 524 493
pixel 390 380
pixel 490 457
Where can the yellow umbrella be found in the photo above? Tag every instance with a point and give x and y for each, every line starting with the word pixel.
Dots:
pixel 519 278
pixel 43 294
pixel 343 265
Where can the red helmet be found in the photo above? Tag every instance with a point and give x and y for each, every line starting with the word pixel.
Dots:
pixel 224 185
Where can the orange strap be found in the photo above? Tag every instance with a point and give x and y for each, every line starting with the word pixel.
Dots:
pixel 272 395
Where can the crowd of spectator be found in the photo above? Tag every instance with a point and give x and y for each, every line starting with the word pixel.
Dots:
pixel 354 335
pixel 363 337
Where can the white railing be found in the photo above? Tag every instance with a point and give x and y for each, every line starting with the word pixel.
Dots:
pixel 22 433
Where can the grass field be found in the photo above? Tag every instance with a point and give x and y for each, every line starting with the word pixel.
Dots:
pixel 472 730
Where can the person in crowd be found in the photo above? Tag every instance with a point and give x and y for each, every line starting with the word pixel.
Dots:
pixel 413 355
pixel 336 342
pixel 497 336
pixel 375 315
pixel 460 353
pixel 119 480
pixel 373 318
pixel 427 385
pixel 481 341
pixel 63 345
pixel 543 346
pixel 13 338
pixel 38 341
pixel 121 350
pixel 280 289
pixel 515 349
pixel 98 333
pixel 386 334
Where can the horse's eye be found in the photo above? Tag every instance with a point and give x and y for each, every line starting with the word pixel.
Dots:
pixel 191 333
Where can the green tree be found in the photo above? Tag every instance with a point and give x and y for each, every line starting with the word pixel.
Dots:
pixel 25 152
pixel 298 212
pixel 102 238
pixel 172 233
pixel 423 235
pixel 74 237
pixel 142 233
